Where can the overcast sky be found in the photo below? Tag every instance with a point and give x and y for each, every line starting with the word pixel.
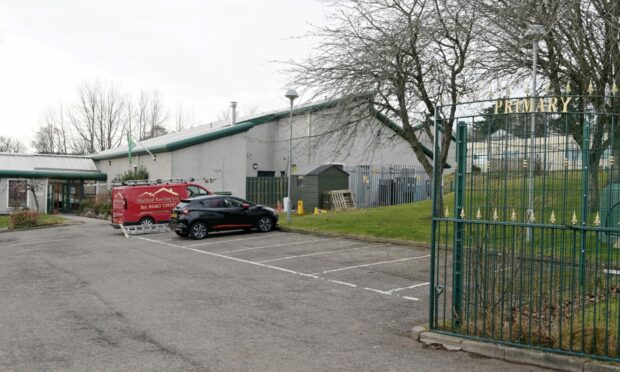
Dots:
pixel 201 53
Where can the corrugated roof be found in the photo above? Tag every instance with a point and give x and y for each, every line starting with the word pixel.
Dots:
pixel 38 165
pixel 213 131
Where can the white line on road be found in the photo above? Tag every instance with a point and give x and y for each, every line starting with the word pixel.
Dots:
pixel 378 291
pixel 410 298
pixel 410 287
pixel 231 240
pixel 372 264
pixel 324 252
pixel 273 246
pixel 313 276
pixel 343 283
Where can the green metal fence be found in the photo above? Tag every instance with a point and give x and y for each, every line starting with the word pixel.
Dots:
pixel 526 250
pixel 266 190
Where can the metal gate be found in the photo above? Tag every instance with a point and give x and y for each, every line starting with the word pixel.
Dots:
pixel 526 249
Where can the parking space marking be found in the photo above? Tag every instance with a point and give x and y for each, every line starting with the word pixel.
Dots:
pixel 319 253
pixel 372 264
pixel 410 287
pixel 229 257
pixel 410 298
pixel 230 240
pixel 343 283
pixel 273 246
pixel 313 276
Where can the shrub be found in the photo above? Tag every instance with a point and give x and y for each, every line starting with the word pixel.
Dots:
pixel 139 173
pixel 103 207
pixel 23 219
pixel 86 204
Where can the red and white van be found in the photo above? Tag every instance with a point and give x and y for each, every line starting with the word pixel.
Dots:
pixel 150 203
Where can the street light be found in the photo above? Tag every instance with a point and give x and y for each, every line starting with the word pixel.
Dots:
pixel 534 33
pixel 291 94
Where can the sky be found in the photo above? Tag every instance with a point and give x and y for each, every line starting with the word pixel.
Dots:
pixel 198 53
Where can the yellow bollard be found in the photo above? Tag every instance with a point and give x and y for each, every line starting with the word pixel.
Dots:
pixel 316 211
pixel 300 207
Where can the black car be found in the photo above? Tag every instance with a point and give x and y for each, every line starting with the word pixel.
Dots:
pixel 197 216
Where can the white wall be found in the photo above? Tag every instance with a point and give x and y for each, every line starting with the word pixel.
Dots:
pixel 220 165
pixel 160 168
pixel 314 144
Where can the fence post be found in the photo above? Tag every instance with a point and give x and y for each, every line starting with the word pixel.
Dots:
pixel 585 185
pixel 459 229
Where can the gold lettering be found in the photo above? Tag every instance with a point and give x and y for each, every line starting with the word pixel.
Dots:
pixel 565 103
pixel 552 105
pixel 527 104
pixel 541 105
pixel 498 105
pixel 507 106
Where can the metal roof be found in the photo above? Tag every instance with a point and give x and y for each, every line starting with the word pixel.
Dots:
pixel 38 165
pixel 213 131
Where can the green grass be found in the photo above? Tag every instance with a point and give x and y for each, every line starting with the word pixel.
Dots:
pixel 44 220
pixel 405 222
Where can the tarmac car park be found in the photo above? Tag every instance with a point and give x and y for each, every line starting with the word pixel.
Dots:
pixel 83 297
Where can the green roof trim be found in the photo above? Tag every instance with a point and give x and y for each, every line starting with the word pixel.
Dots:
pixel 240 127
pixel 54 174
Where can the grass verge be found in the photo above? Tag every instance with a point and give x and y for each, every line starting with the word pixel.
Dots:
pixel 411 222
pixel 44 220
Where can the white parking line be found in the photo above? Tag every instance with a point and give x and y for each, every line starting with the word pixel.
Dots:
pixel 273 246
pixel 319 253
pixel 313 276
pixel 372 264
pixel 231 240
pixel 410 287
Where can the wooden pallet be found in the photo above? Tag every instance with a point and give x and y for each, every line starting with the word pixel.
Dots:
pixel 340 199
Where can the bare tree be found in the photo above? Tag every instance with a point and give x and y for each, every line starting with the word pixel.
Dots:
pixel 150 116
pixel 10 144
pixel 183 118
pixel 97 118
pixel 52 135
pixel 580 46
pixel 412 54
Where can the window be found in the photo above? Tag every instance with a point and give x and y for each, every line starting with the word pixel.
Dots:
pixel 18 194
pixel 214 203
pixel 300 181
pixel 193 191
pixel 234 203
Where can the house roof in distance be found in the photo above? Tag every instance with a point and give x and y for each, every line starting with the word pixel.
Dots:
pixel 43 165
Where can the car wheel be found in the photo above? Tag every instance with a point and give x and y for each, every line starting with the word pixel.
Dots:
pixel 182 234
pixel 264 224
pixel 146 221
pixel 198 230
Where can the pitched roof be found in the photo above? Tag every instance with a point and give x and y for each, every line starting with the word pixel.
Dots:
pixel 39 165
pixel 325 167
pixel 210 132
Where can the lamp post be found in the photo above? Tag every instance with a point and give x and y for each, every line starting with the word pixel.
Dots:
pixel 291 94
pixel 533 33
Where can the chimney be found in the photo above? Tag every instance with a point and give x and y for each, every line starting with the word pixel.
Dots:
pixel 233 106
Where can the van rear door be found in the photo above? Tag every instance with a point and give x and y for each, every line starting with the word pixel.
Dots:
pixel 119 205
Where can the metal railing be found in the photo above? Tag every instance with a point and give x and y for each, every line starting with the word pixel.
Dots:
pixel 526 251
pixel 382 185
